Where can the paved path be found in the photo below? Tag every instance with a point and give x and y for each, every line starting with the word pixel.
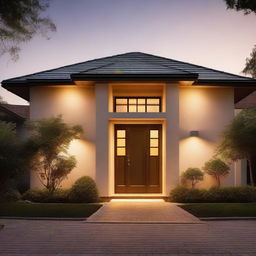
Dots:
pixel 23 237
pixel 150 212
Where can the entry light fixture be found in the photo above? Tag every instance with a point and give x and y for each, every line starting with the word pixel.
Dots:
pixel 194 133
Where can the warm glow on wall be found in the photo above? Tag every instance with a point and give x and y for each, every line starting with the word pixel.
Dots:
pixel 71 96
pixel 196 150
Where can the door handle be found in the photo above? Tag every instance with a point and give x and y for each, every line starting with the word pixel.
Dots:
pixel 128 161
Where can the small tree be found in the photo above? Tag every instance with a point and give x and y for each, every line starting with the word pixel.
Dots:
pixel 239 141
pixel 192 174
pixel 216 168
pixel 49 143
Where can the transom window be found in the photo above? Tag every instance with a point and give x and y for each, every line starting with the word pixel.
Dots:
pixel 137 104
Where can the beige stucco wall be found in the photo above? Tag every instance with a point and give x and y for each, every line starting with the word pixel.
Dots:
pixel 77 106
pixel 207 110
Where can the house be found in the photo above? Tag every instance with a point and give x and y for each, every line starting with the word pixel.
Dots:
pixel 16 114
pixel 146 118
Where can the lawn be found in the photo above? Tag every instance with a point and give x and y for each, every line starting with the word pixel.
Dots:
pixel 19 209
pixel 221 209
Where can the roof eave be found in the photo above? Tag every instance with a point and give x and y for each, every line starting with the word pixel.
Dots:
pixel 133 77
pixel 233 83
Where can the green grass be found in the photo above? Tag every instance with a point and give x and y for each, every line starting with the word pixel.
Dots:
pixel 221 209
pixel 18 209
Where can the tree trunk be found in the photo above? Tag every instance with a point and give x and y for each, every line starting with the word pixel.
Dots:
pixel 218 181
pixel 250 171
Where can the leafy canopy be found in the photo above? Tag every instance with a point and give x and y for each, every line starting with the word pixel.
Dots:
pixel 239 139
pixel 250 66
pixel 247 6
pixel 20 21
pixel 216 168
pixel 192 174
pixel 50 140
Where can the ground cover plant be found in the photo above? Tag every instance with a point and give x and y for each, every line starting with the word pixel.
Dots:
pixel 221 209
pixel 60 210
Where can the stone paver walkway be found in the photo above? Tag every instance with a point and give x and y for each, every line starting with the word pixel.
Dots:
pixel 27 237
pixel 142 211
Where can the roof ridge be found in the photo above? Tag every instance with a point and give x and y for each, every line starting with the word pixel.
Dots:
pixel 195 65
pixel 48 70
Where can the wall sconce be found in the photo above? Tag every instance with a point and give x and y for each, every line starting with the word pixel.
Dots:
pixel 194 133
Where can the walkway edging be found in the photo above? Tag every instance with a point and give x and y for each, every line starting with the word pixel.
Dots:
pixel 226 218
pixel 42 218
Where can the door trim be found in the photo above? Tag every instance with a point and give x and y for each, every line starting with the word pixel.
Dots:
pixel 111 164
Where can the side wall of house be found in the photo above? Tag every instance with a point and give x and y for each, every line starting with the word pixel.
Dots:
pixel 207 110
pixel 77 106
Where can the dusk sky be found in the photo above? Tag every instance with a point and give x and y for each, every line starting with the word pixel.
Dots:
pixel 201 32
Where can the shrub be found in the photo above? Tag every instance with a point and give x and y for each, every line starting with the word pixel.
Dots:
pixel 192 174
pixel 35 195
pixel 44 196
pixel 214 195
pixel 182 194
pixel 84 190
pixel 11 195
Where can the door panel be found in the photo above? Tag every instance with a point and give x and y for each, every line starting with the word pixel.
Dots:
pixel 138 158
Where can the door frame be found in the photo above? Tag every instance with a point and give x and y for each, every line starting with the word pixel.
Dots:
pixel 111 164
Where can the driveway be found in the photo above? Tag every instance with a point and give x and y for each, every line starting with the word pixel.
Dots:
pixel 29 237
pixel 146 211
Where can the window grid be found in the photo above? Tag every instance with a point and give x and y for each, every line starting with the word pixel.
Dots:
pixel 154 142
pixel 137 104
pixel 121 142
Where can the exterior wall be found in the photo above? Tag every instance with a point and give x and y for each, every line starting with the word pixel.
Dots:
pixel 77 106
pixel 207 110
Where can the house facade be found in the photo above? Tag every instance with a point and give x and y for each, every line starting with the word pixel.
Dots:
pixel 146 119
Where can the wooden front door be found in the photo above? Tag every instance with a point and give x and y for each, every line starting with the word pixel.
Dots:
pixel 138 158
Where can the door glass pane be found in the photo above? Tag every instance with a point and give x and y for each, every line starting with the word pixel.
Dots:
pixel 121 133
pixel 152 108
pixel 153 151
pixel 121 142
pixel 121 108
pixel 154 134
pixel 153 142
pixel 121 151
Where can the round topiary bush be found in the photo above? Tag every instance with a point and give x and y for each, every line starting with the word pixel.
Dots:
pixel 84 190
pixel 36 195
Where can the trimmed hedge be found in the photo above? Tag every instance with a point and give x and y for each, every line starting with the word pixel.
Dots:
pixel 43 196
pixel 244 194
pixel 84 191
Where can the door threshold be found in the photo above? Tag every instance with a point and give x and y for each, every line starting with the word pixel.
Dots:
pixel 130 197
